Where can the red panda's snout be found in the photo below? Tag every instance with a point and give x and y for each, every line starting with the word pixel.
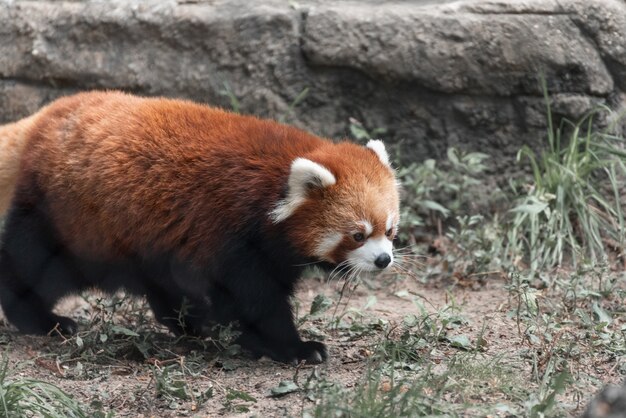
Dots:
pixel 375 254
pixel 367 247
pixel 342 206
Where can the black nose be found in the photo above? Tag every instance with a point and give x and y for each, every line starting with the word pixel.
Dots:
pixel 382 260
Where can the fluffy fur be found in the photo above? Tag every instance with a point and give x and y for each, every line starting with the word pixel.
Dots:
pixel 12 140
pixel 191 206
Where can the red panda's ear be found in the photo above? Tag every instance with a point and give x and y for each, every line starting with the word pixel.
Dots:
pixel 303 176
pixel 378 147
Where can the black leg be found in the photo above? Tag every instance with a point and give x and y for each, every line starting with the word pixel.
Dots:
pixel 183 315
pixel 34 274
pixel 250 295
pixel 183 310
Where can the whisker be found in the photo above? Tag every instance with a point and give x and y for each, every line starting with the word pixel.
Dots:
pixel 355 272
pixel 338 271
pixel 337 268
pixel 404 248
pixel 410 262
pixel 412 256
pixel 403 270
pixel 411 259
pixel 350 273
pixel 409 271
pixel 410 253
pixel 347 274
pixel 354 269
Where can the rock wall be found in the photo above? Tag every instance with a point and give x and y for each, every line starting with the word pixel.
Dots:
pixel 433 73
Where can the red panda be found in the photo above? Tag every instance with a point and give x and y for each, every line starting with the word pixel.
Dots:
pixel 188 205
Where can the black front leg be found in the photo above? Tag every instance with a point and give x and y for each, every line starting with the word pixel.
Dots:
pixel 259 301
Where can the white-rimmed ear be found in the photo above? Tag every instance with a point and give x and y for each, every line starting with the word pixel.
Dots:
pixel 303 176
pixel 378 147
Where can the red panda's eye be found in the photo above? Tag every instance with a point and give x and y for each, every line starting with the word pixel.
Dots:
pixel 389 232
pixel 358 237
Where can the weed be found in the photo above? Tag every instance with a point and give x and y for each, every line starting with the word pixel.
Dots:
pixel 426 187
pixel 572 208
pixel 106 338
pixel 473 248
pixel 568 326
pixel 238 401
pixel 543 402
pixel 361 133
pixel 460 383
pixel 296 101
pixel 35 398
pixel 235 104
pixel 227 92
pixel 177 382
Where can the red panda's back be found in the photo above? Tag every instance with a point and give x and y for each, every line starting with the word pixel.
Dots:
pixel 124 175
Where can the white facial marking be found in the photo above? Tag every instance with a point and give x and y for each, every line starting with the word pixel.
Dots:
pixel 368 227
pixel 303 175
pixel 327 245
pixel 389 222
pixel 378 147
pixel 365 256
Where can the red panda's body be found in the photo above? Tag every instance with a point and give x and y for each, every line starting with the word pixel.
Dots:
pixel 186 204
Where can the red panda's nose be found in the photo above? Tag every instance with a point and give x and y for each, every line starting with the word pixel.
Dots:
pixel 382 261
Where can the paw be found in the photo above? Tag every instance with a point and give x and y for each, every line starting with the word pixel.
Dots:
pixel 185 329
pixel 52 325
pixel 312 352
pixel 64 325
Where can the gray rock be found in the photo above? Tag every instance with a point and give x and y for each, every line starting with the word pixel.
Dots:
pixel 19 99
pixel 433 73
pixel 468 53
pixel 609 403
pixel 603 22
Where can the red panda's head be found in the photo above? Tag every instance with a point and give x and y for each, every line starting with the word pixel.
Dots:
pixel 342 205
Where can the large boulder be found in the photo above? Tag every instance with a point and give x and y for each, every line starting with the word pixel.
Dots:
pixel 433 73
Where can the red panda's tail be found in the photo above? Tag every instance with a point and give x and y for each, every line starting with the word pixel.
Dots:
pixel 12 141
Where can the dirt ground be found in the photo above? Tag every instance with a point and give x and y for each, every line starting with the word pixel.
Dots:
pixel 128 386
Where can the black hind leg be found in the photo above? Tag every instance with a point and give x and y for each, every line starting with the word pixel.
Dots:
pixel 34 274
pixel 183 311
pixel 183 315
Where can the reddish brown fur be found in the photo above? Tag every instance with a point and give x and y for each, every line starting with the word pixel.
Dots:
pixel 12 139
pixel 124 174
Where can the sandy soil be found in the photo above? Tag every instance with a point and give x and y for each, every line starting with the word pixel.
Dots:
pixel 128 387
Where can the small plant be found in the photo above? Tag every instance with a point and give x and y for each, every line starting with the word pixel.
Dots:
pixel 238 401
pixel 432 194
pixel 544 402
pixel 227 92
pixel 235 104
pixel 573 321
pixel 474 247
pixel 389 388
pixel 177 382
pixel 291 108
pixel 361 133
pixel 572 208
pixel 105 337
pixel 34 398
